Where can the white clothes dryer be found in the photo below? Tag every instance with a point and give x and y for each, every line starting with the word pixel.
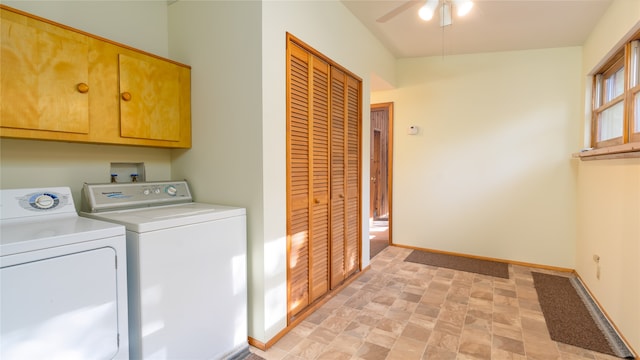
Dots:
pixel 63 292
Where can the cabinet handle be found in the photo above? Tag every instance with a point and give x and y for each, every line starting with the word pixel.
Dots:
pixel 83 88
pixel 126 96
pixel 316 200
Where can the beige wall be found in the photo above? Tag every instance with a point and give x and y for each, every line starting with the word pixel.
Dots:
pixel 609 226
pixel 490 171
pixel 28 163
pixel 221 41
pixel 141 24
pixel 609 200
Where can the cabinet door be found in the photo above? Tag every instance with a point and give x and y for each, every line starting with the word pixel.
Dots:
pixel 149 99
pixel 44 77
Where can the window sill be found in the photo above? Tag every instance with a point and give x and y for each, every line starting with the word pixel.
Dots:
pixel 624 151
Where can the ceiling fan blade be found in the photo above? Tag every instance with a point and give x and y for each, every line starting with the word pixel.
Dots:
pixel 393 13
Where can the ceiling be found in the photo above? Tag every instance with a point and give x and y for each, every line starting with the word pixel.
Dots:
pixel 492 25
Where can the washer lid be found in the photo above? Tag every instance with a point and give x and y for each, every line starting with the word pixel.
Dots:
pixel 165 217
pixel 28 234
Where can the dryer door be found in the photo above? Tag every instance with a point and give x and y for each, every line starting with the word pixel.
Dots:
pixel 62 307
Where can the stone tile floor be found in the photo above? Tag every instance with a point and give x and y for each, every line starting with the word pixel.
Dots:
pixel 400 310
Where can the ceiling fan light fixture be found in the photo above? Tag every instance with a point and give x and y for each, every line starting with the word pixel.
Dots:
pixel 445 14
pixel 427 10
pixel 463 6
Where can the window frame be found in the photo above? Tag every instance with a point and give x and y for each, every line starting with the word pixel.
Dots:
pixel 622 58
pixel 634 91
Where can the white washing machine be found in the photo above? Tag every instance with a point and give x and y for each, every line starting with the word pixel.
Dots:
pixel 63 292
pixel 187 269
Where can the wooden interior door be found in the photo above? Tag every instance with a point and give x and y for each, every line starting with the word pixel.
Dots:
pixel 380 170
pixel 374 209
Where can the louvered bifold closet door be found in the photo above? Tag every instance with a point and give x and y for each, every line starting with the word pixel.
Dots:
pixel 298 181
pixel 352 174
pixel 338 176
pixel 345 176
pixel 307 179
pixel 319 262
pixel 323 176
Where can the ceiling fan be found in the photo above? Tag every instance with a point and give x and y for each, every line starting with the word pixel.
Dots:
pixel 427 11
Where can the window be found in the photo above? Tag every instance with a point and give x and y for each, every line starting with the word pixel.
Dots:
pixel 616 98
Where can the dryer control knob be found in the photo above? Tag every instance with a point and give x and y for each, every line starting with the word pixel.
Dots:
pixel 44 201
pixel 171 190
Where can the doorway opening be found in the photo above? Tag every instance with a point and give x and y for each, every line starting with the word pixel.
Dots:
pixel 380 218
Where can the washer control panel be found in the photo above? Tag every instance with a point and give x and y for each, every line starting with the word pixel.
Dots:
pixel 120 196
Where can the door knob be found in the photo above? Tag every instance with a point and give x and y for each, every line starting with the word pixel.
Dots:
pixel 82 88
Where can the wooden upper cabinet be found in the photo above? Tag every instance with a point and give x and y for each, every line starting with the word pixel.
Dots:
pixel 45 72
pixel 59 83
pixel 149 99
